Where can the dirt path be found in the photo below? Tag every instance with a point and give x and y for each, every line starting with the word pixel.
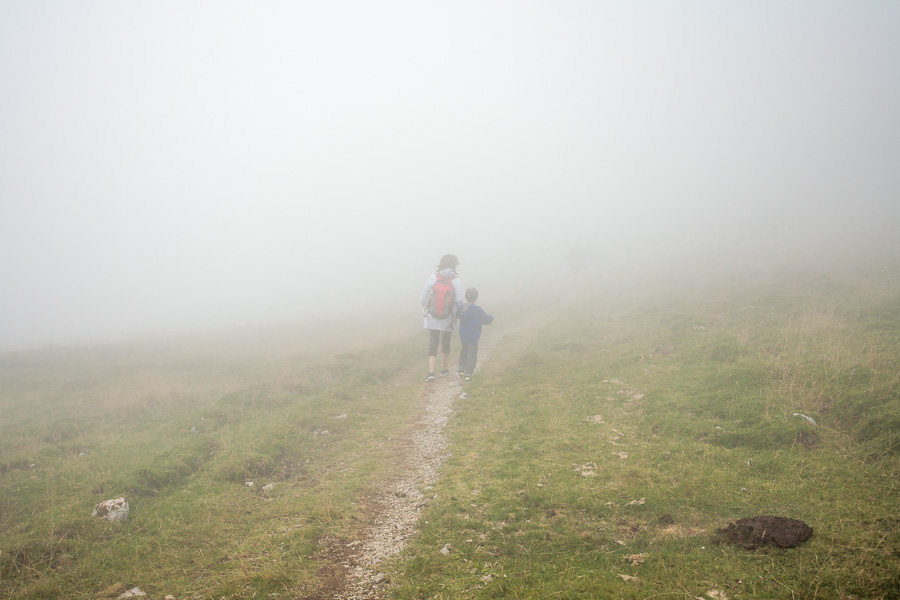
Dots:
pixel 353 565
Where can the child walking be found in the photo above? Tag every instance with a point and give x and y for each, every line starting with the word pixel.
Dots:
pixel 471 318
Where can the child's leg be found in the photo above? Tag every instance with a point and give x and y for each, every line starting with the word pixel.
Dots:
pixel 462 358
pixel 471 357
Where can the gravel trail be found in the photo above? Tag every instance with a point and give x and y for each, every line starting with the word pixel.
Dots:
pixel 396 507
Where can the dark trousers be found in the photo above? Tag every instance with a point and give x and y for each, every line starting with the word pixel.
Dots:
pixel 436 338
pixel 467 357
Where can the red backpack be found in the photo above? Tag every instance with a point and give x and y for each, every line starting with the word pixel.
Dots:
pixel 443 297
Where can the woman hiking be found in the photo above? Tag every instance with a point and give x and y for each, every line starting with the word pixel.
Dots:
pixel 441 299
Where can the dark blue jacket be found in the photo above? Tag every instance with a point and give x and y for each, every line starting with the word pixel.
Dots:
pixel 471 318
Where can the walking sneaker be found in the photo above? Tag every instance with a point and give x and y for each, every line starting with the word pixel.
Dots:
pixel 445 372
pixel 430 377
pixel 468 378
pixel 460 373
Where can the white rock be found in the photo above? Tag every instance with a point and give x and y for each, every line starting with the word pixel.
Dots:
pixel 809 420
pixel 249 483
pixel 134 592
pixel 112 510
pixel 446 549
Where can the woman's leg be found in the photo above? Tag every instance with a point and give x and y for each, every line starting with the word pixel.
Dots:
pixel 445 348
pixel 434 339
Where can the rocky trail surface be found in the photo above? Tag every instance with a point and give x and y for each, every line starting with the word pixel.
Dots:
pixel 352 566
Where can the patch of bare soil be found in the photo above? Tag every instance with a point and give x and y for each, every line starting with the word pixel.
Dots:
pixel 753 532
pixel 350 568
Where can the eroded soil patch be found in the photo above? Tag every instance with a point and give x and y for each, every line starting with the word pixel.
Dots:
pixel 753 532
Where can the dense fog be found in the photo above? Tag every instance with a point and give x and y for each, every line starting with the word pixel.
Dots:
pixel 172 167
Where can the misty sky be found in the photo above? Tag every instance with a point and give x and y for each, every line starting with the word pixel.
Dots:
pixel 169 166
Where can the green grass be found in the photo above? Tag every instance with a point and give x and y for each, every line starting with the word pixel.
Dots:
pixel 179 434
pixel 697 389
pixel 596 454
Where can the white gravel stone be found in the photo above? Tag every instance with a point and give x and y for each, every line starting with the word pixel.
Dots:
pixel 112 510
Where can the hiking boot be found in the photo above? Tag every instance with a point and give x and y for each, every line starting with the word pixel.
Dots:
pixel 445 372
pixel 430 377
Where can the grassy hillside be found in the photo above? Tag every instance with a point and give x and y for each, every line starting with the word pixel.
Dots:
pixel 596 453
pixel 178 427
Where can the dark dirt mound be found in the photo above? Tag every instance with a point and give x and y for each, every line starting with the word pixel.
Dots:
pixel 753 532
